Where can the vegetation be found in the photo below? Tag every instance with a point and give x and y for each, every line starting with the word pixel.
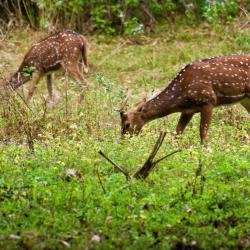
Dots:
pixel 57 192
pixel 112 17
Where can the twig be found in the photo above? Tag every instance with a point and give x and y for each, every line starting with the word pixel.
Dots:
pixel 99 178
pixel 157 146
pixel 143 172
pixel 115 165
pixel 177 151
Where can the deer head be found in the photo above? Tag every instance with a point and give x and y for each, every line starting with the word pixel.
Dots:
pixel 16 80
pixel 133 120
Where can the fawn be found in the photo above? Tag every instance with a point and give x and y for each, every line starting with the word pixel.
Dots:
pixel 66 49
pixel 199 87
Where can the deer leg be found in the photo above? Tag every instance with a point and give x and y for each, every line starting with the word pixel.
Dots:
pixel 83 68
pixel 246 104
pixel 50 101
pixel 49 86
pixel 206 114
pixel 74 72
pixel 35 78
pixel 183 122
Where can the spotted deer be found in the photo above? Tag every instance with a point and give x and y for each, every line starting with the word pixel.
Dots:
pixel 198 88
pixel 66 49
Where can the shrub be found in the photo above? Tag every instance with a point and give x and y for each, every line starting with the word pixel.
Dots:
pixel 112 17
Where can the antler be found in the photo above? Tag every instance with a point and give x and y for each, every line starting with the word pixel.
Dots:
pixel 125 101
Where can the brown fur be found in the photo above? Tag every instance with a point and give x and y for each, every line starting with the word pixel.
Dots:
pixel 66 49
pixel 199 87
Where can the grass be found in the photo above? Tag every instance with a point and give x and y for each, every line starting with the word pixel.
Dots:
pixel 52 198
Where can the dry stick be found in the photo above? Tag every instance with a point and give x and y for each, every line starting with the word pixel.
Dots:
pixel 115 165
pixel 146 172
pixel 143 172
pixel 156 147
pixel 99 178
pixel 166 156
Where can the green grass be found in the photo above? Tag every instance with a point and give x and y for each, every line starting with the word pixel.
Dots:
pixel 196 199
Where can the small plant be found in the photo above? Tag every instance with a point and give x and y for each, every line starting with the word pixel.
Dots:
pixel 27 71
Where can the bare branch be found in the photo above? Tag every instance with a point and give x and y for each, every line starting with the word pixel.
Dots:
pixel 115 165
pixel 156 147
pixel 147 167
pixel 166 156
pixel 100 181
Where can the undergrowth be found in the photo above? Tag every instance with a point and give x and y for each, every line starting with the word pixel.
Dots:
pixel 56 192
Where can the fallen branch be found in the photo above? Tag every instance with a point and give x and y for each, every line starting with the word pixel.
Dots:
pixel 100 181
pixel 115 165
pixel 147 167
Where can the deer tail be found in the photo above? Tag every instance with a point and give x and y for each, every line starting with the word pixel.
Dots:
pixel 84 53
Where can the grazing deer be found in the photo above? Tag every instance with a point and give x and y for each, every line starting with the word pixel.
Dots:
pixel 199 87
pixel 66 49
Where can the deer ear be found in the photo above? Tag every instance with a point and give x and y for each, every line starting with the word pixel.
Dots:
pixel 123 114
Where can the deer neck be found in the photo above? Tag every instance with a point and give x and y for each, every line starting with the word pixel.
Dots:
pixel 165 103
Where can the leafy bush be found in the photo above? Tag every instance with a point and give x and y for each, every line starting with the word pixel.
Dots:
pixel 113 17
pixel 226 10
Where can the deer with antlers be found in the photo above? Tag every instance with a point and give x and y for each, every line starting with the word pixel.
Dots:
pixel 198 88
pixel 67 50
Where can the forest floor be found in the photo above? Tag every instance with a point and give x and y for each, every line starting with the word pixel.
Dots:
pixel 57 192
